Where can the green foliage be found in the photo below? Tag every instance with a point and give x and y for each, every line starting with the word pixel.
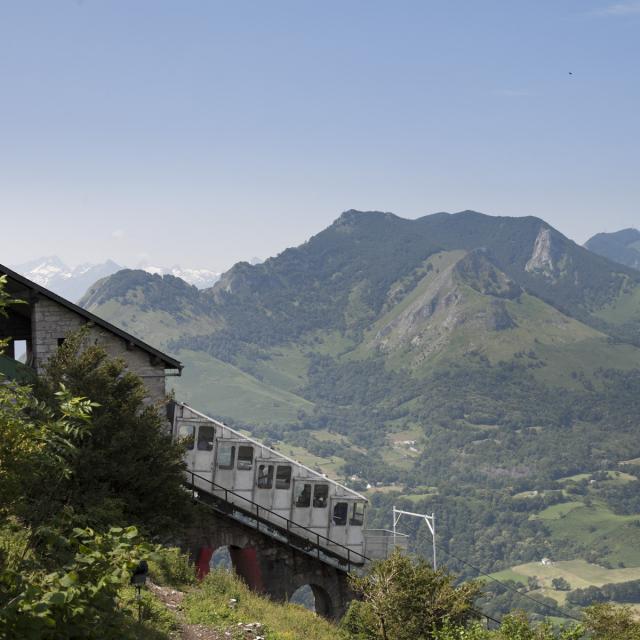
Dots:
pixel 172 567
pixel 608 622
pixel 560 584
pixel 128 471
pixel 59 581
pixel 406 599
pixel 38 442
pixel 77 600
pixel 617 592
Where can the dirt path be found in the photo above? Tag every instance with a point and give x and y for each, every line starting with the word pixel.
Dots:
pixel 172 599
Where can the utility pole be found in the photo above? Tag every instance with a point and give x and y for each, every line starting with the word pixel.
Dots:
pixel 429 519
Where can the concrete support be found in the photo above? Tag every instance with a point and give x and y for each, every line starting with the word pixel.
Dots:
pixel 268 566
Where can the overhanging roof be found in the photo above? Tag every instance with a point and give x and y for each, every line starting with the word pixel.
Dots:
pixel 170 363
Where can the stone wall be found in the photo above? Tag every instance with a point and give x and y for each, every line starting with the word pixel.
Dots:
pixel 52 322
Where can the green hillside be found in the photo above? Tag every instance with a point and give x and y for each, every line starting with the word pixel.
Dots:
pixel 453 362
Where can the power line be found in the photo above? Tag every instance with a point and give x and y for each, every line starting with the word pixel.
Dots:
pixel 510 588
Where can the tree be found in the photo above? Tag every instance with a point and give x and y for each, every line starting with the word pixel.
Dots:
pixel 609 622
pixel 128 471
pixel 405 598
pixel 55 582
pixel 560 584
pixel 37 442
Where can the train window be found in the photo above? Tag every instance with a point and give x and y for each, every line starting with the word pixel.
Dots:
pixel 357 516
pixel 186 435
pixel 340 510
pixel 302 497
pixel 283 477
pixel 205 438
pixel 245 457
pixel 226 455
pixel 320 496
pixel 265 476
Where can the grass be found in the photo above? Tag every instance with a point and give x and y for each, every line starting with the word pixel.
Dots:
pixel 598 525
pixel 329 466
pixel 220 389
pixel 578 573
pixel 157 622
pixel 510 574
pixel 624 307
pixel 557 511
pixel 155 327
pixel 209 604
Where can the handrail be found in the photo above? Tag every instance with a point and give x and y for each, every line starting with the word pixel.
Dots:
pixel 287 521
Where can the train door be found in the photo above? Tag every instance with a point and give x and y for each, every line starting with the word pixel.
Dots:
pixel 301 501
pixel 320 508
pixel 225 462
pixel 338 519
pixel 264 480
pixel 355 526
pixel 203 451
pixel 282 489
pixel 243 477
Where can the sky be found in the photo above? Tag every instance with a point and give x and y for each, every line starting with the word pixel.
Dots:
pixel 201 133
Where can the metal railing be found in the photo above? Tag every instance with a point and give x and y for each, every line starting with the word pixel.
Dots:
pixel 283 529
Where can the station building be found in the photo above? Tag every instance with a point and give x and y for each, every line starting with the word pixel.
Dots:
pixel 36 328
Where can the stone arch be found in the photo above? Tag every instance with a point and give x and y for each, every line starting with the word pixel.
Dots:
pixel 324 604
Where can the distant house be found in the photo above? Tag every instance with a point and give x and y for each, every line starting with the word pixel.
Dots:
pixel 36 329
pixel 546 562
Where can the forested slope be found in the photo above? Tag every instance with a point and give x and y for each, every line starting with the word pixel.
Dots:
pixel 452 362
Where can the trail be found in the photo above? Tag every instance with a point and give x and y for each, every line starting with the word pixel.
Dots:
pixel 172 600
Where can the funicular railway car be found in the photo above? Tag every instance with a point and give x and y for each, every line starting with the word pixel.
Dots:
pixel 246 474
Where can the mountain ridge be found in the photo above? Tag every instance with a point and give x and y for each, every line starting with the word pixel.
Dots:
pixel 620 246
pixel 502 350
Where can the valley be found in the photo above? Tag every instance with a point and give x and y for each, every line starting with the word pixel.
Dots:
pixel 459 363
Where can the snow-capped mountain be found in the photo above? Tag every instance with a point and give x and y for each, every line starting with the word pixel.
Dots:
pixel 72 284
pixel 52 273
pixel 201 278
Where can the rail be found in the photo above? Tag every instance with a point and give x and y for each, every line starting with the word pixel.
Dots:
pixel 316 545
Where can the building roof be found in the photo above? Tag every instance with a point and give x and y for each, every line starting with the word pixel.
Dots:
pixel 170 363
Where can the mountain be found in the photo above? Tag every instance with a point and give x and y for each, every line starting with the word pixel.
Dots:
pixel 52 273
pixel 454 363
pixel 201 278
pixel 621 246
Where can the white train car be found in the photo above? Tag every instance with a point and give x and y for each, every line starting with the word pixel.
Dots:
pixel 246 474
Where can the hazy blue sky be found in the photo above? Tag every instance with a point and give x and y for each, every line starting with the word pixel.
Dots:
pixel 204 132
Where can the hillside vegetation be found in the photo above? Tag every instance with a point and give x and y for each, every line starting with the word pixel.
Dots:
pixel 449 363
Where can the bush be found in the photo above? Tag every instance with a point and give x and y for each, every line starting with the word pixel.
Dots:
pixel 173 568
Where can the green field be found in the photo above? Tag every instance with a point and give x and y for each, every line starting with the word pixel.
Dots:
pixel 594 525
pixel 220 389
pixel 578 573
pixel 557 511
